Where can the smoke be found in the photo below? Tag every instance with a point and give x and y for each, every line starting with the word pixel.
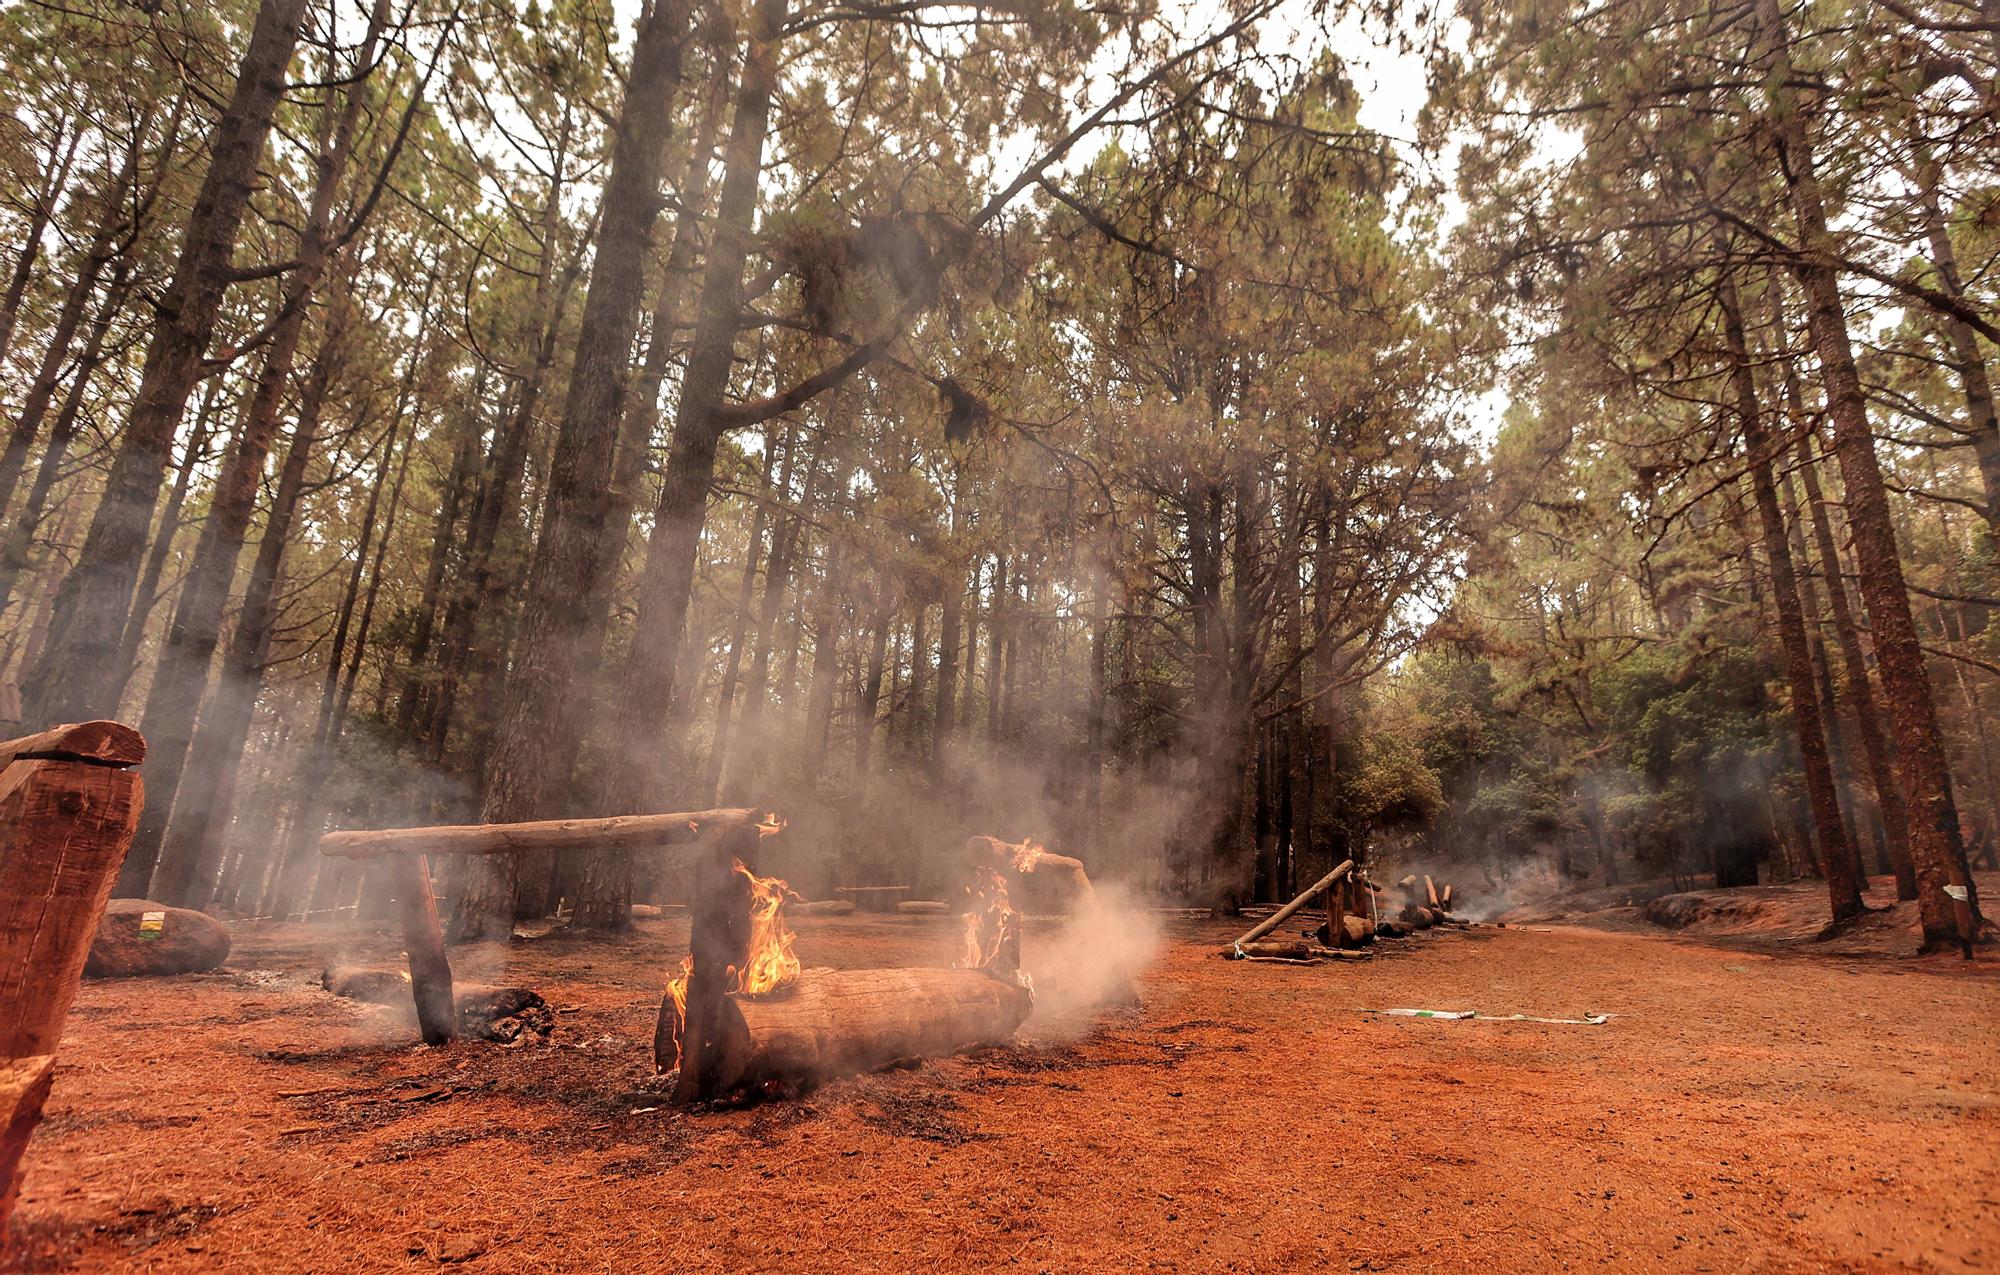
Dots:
pixel 1090 962
pixel 1481 890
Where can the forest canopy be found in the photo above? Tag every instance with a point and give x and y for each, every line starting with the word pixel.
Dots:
pixel 1086 423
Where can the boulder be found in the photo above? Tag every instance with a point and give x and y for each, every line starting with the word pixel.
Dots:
pixel 141 937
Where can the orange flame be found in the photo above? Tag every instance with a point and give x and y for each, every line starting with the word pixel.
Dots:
pixel 988 919
pixel 1027 855
pixel 769 962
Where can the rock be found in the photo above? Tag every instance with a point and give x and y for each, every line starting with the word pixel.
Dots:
pixel 141 937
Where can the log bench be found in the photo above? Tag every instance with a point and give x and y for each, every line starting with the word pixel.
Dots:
pixel 69 804
pixel 874 898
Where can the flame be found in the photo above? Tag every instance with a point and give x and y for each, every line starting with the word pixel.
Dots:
pixel 1027 855
pixel 770 962
pixel 988 919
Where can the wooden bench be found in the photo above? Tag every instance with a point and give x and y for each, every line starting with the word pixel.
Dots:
pixel 874 898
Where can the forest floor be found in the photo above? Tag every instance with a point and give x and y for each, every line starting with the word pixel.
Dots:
pixel 1764 1111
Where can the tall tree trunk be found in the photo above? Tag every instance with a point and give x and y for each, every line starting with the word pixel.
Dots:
pixel 415 687
pixel 642 406
pixel 20 539
pixel 1821 790
pixel 667 581
pixel 103 248
pixel 62 154
pixel 188 856
pixel 1875 745
pixel 75 678
pixel 560 642
pixel 473 630
pixel 870 707
pixel 180 677
pixel 947 690
pixel 1966 359
pixel 718 752
pixel 1936 845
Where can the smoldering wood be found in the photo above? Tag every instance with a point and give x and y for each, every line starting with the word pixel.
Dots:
pixel 824 1023
pixel 480 1011
pixel 623 832
pixel 1286 912
pixel 423 940
pixel 1049 882
pixel 829 1023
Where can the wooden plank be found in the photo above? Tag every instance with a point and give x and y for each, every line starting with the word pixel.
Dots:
pixel 105 743
pixel 1284 913
pixel 24 1087
pixel 423 940
pixel 617 832
pixel 64 830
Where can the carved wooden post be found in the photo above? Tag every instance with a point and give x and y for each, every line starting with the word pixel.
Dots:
pixel 69 803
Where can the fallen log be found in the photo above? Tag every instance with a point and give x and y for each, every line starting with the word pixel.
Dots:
pixel 821 907
pixel 1289 952
pixel 619 832
pixel 814 1024
pixel 829 1023
pixel 1284 913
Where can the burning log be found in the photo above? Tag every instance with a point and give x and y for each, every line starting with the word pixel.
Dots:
pixel 1049 882
pixel 827 1023
pixel 741 1017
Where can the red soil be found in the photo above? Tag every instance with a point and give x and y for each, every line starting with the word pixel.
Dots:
pixel 1741 1111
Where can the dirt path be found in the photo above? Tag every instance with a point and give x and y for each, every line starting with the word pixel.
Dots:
pixel 1739 1112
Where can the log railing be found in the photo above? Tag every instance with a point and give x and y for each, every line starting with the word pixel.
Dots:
pixel 69 804
pixel 408 851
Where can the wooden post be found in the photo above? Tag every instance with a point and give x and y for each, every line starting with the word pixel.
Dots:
pixel 1284 913
pixel 423 939
pixel 69 804
pixel 718 940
